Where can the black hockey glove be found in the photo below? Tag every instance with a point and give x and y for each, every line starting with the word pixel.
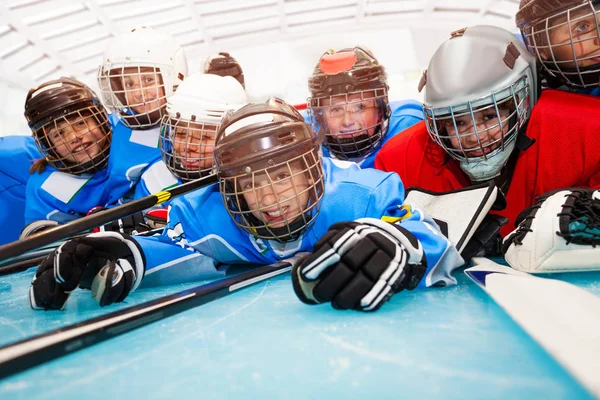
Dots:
pixel 486 241
pixel 131 224
pixel 360 265
pixel 109 263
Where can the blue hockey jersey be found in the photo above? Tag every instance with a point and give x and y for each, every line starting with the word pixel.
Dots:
pixel 64 197
pixel 17 155
pixel 201 236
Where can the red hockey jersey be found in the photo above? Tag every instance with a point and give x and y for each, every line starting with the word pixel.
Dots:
pixel 565 128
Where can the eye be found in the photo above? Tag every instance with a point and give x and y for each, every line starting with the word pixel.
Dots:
pixel 581 26
pixel 336 110
pixel 282 176
pixel 148 80
pixel 128 84
pixel 247 186
pixel 489 117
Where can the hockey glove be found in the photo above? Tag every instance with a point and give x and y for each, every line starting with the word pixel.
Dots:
pixel 131 224
pixel 360 265
pixel 109 263
pixel 559 233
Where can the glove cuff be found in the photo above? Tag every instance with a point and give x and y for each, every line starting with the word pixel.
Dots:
pixel 412 245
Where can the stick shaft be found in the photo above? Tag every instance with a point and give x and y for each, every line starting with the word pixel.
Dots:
pixel 39 349
pixel 98 219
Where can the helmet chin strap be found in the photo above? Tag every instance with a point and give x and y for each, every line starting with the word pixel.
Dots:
pixel 485 170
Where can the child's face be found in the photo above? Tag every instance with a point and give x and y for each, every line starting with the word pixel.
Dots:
pixel 194 146
pixel 144 89
pixel 489 133
pixel 347 117
pixel 77 138
pixel 279 196
pixel 574 37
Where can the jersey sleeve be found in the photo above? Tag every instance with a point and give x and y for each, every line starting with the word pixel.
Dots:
pixel 155 178
pixel 442 256
pixel 170 259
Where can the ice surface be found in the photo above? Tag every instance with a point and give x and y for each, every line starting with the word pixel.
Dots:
pixel 434 343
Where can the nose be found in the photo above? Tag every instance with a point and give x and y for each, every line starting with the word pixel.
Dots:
pixel 348 118
pixel 70 135
pixel 266 195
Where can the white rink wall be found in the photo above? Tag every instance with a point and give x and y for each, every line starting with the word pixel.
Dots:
pixel 277 43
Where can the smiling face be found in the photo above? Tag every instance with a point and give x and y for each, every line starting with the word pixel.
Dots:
pixel 143 89
pixel 479 136
pixel 352 115
pixel 277 196
pixel 77 137
pixel 193 145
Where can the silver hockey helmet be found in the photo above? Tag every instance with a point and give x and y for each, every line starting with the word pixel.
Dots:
pixel 480 87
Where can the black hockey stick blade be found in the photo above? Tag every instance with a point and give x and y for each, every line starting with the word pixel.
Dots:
pixel 100 218
pixel 37 350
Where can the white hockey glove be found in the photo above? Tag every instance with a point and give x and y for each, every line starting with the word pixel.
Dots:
pixel 360 265
pixel 559 233
pixel 111 264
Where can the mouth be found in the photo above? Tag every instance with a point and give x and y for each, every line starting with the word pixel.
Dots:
pixel 483 151
pixel 275 216
pixel 82 147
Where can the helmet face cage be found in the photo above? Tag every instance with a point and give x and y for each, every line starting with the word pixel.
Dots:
pixel 353 124
pixel 187 147
pixel 77 141
pixel 278 202
pixel 480 129
pixel 136 93
pixel 566 43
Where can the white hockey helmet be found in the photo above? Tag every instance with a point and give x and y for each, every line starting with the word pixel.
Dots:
pixel 480 87
pixel 142 57
pixel 193 115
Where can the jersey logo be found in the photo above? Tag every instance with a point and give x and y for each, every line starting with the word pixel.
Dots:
pixel 177 235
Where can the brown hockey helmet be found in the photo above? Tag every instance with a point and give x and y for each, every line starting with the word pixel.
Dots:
pixel 59 102
pixel 223 64
pixel 255 141
pixel 538 21
pixel 355 74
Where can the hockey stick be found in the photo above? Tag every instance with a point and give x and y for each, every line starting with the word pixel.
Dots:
pixel 100 218
pixel 563 318
pixel 39 349
pixel 25 261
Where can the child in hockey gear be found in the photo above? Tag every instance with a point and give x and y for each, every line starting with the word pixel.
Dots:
pixel 188 131
pixel 17 155
pixel 565 37
pixel 480 125
pixel 275 198
pixel 349 105
pixel 73 133
pixel 70 127
pixel 140 70
pixel 224 65
pixel 559 233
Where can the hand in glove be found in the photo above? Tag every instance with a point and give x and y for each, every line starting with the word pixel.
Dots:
pixel 360 265
pixel 109 263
